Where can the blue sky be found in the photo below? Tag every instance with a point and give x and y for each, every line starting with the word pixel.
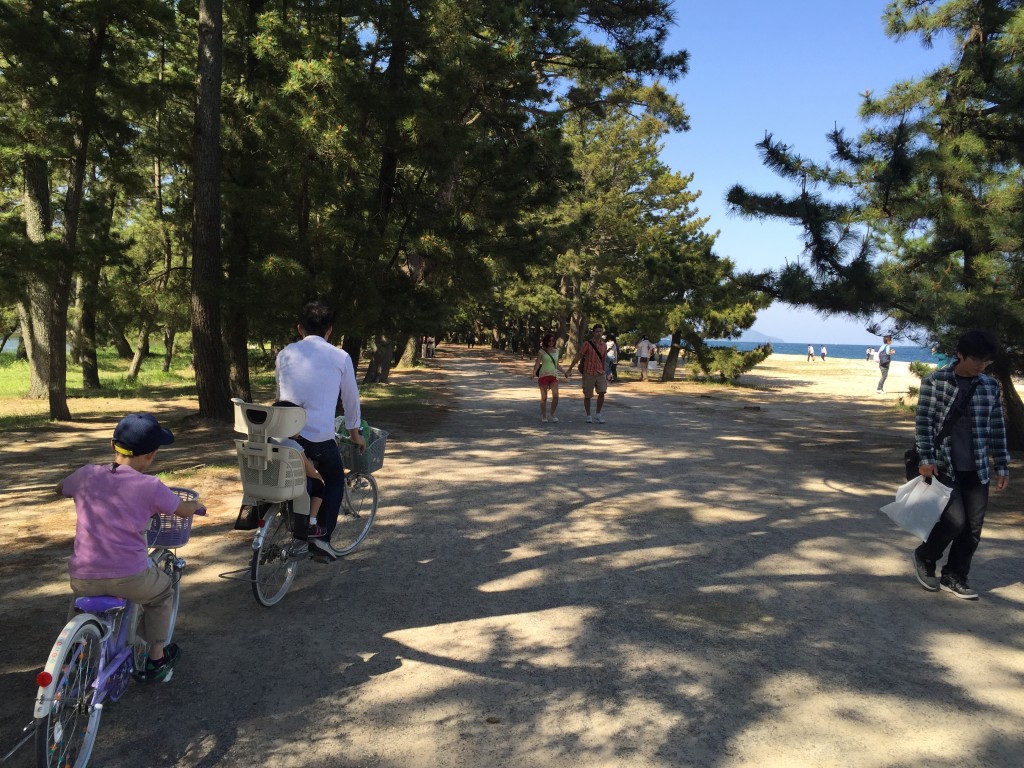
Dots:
pixel 793 68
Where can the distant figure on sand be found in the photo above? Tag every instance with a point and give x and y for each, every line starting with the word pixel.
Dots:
pixel 869 353
pixel 824 352
pixel 810 353
pixel 592 353
pixel 885 355
pixel 546 365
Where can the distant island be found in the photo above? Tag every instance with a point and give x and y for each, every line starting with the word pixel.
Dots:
pixel 754 337
pixel 759 338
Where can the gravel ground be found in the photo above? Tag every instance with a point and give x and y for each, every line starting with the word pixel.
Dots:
pixel 705 580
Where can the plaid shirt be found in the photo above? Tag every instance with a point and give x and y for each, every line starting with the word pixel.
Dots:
pixel 593 359
pixel 988 430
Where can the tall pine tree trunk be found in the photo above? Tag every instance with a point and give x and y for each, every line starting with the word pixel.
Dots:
pixel 89 279
pixel 668 372
pixel 212 383
pixel 1012 406
pixel 354 346
pixel 120 341
pixel 410 352
pixel 142 350
pixel 378 368
pixel 88 295
pixel 37 218
pixel 169 333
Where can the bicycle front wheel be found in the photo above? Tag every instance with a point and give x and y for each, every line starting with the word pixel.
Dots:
pixel 358 512
pixel 66 720
pixel 276 559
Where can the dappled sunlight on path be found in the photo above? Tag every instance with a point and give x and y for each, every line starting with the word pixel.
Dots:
pixel 704 580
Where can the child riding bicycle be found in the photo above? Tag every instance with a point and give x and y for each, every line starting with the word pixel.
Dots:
pixel 114 503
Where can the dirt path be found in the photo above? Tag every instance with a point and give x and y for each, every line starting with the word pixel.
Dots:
pixel 703 581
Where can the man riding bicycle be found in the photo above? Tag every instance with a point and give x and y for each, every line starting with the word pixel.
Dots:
pixel 312 373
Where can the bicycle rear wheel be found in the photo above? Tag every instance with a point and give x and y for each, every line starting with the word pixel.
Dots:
pixel 166 561
pixel 66 720
pixel 358 512
pixel 276 560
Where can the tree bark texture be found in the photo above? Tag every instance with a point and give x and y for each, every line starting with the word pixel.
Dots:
pixel 142 350
pixel 379 367
pixel 212 384
pixel 668 371
pixel 37 217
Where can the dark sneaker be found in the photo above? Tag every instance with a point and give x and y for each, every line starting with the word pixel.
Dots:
pixel 314 531
pixel 321 548
pixel 160 671
pixel 957 587
pixel 925 573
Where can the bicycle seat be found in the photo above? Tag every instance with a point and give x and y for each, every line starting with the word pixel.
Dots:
pixel 271 472
pixel 261 422
pixel 100 603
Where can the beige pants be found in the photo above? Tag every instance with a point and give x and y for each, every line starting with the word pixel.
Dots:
pixel 152 589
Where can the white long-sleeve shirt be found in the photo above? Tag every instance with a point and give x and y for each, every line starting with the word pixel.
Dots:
pixel 312 373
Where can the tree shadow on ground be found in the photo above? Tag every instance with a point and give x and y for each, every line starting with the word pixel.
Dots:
pixel 695 583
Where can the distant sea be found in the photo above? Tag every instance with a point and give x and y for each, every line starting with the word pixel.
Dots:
pixel 845 351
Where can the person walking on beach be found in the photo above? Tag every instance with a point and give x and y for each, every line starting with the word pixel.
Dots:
pixel 592 353
pixel 970 399
pixel 546 365
pixel 885 354
pixel 824 352
pixel 643 353
pixel 810 353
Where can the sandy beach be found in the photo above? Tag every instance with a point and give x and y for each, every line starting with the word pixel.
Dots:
pixel 836 377
pixel 705 580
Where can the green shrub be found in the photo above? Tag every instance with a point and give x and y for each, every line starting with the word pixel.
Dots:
pixel 728 363
pixel 920 369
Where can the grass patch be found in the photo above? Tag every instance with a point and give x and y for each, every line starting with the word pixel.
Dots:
pixel 16 422
pixel 154 384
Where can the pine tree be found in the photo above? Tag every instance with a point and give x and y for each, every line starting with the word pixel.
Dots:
pixel 924 221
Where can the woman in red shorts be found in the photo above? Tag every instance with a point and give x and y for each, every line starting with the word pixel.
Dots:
pixel 546 368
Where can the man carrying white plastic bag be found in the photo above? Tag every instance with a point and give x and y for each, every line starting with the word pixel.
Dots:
pixel 959 423
pixel 919 505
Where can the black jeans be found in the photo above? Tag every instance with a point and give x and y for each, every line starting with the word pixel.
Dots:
pixel 960 525
pixel 327 460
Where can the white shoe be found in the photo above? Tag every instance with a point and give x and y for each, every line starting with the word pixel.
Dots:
pixel 544 419
pixel 553 419
pixel 599 419
pixel 325 548
pixel 590 420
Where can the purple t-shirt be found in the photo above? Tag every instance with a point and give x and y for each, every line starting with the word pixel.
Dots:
pixel 114 509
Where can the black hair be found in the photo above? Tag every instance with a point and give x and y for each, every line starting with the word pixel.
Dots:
pixel 316 318
pixel 982 345
pixel 285 404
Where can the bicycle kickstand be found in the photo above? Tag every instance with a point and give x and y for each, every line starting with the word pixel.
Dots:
pixel 29 731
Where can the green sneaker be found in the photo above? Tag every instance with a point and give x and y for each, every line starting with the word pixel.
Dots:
pixel 160 671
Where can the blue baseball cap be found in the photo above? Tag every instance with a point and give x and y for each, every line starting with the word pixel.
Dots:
pixel 140 433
